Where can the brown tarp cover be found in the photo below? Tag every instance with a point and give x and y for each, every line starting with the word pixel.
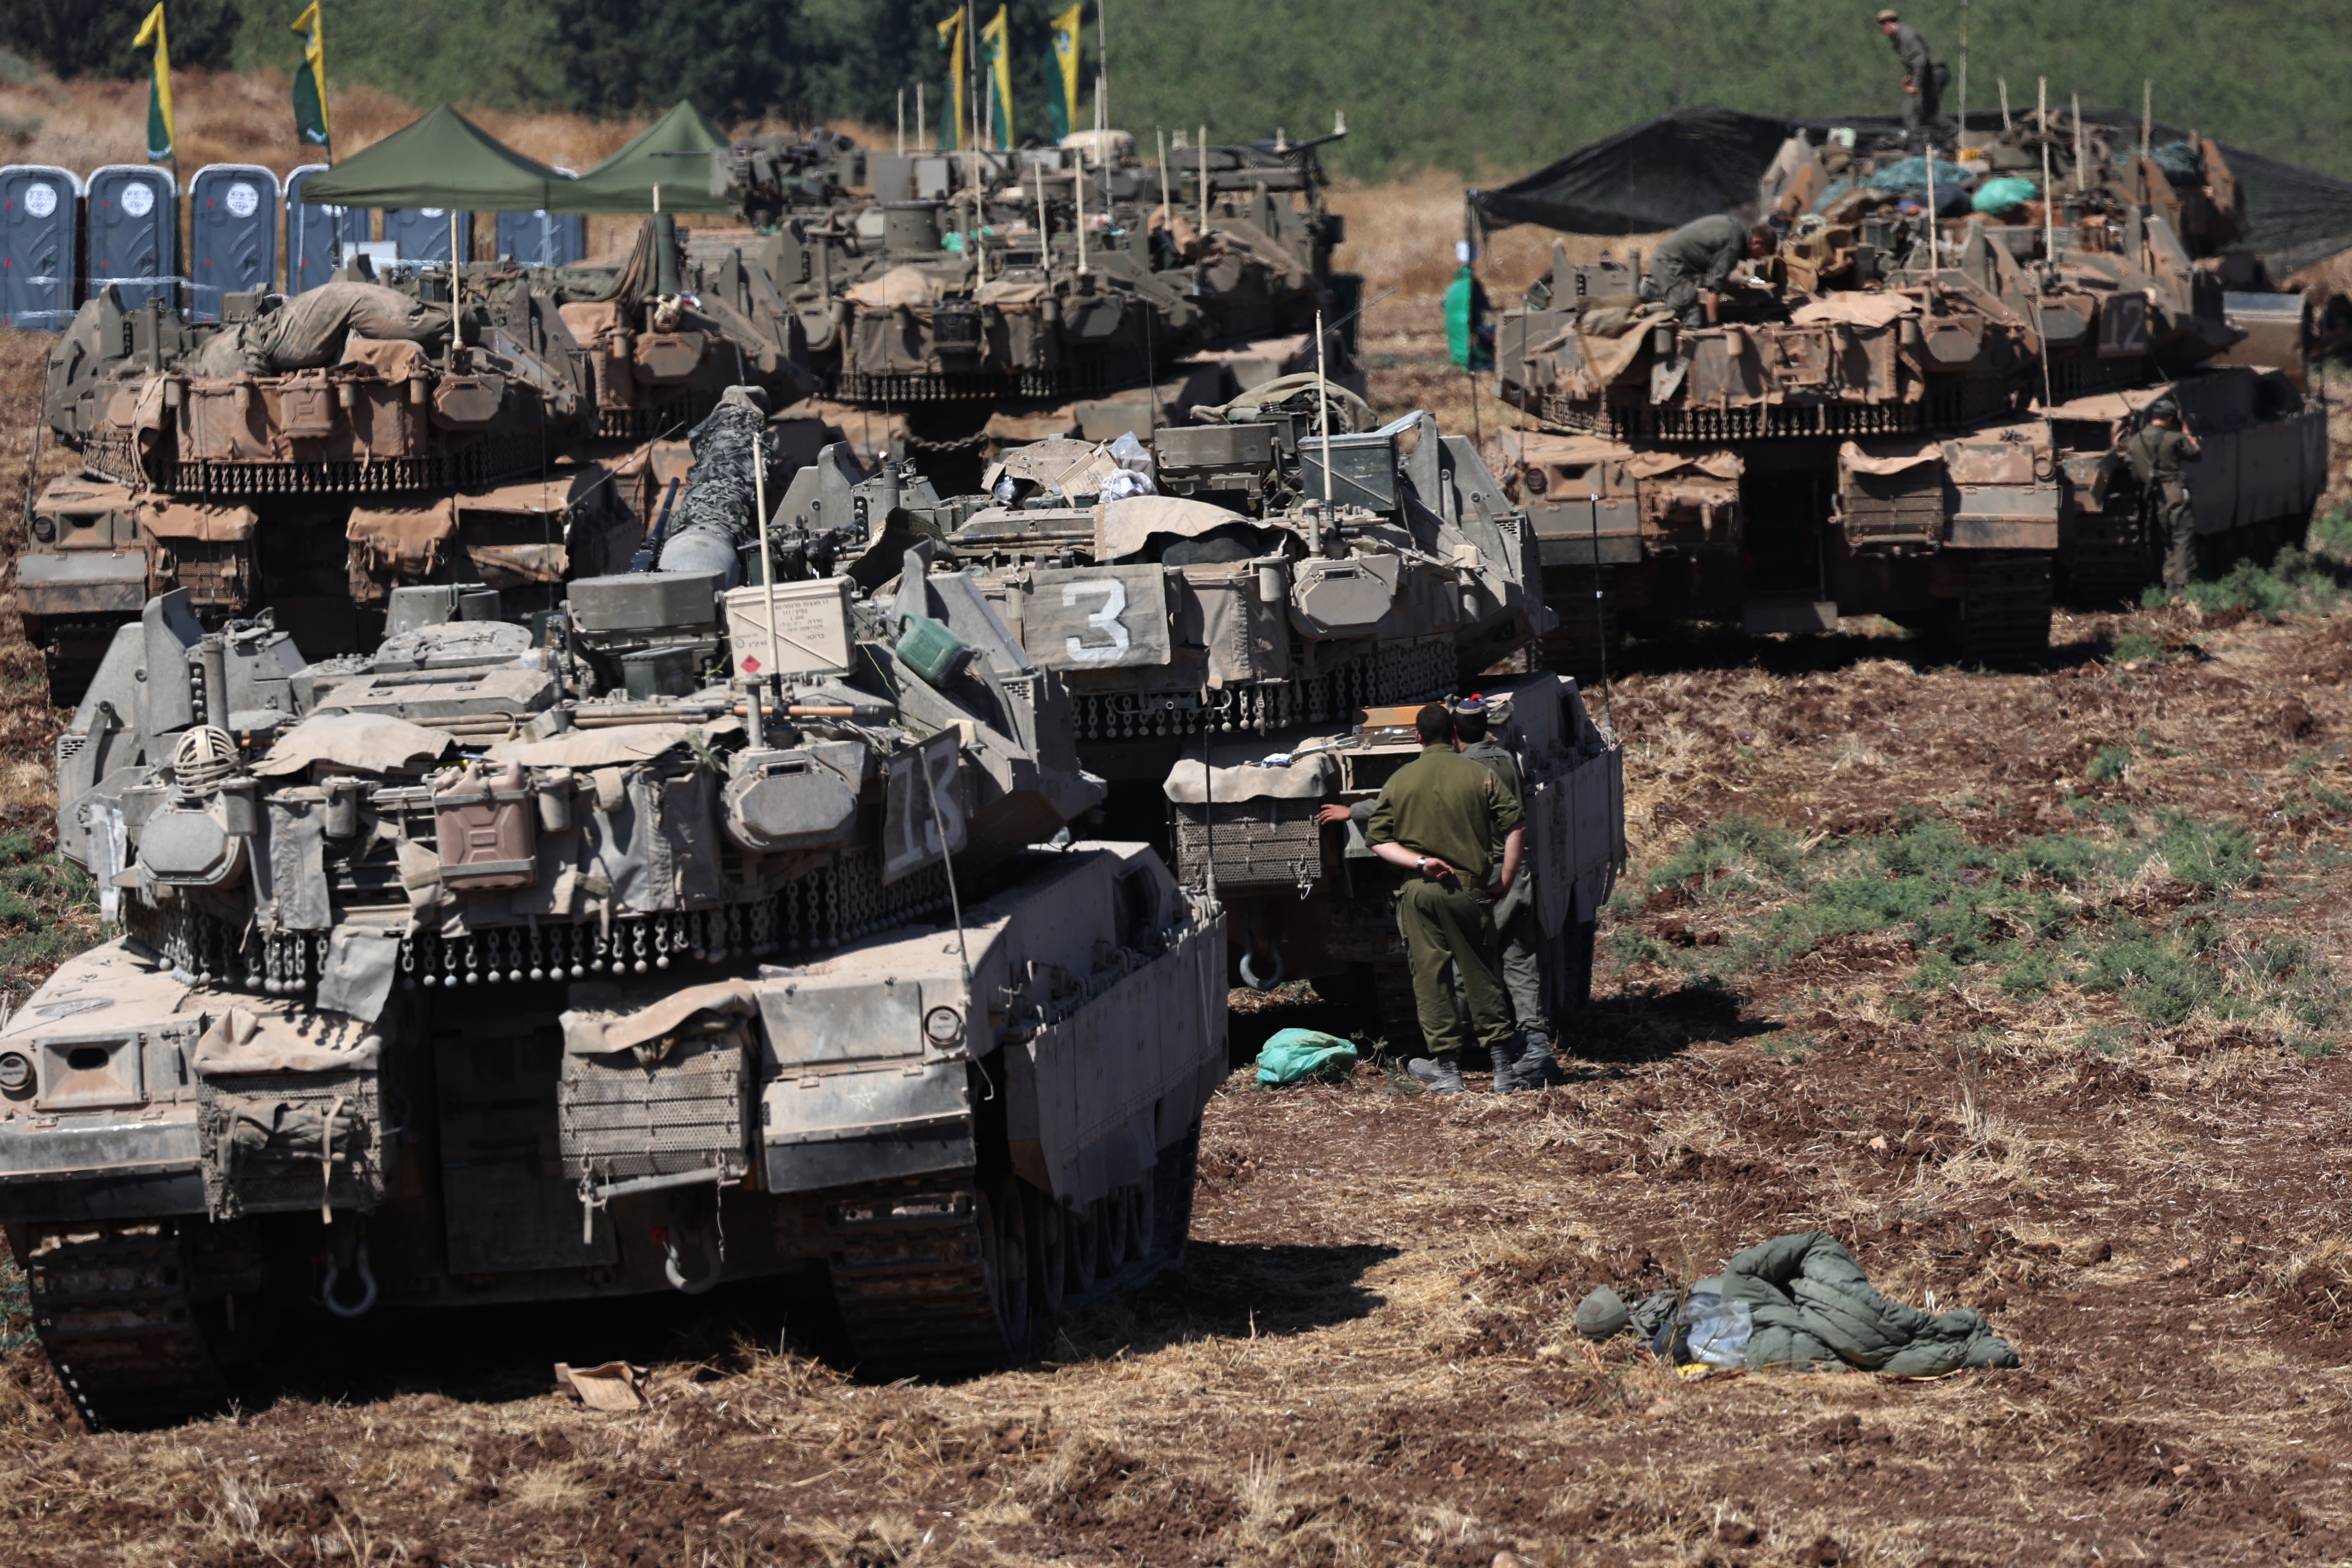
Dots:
pixel 601 1019
pixel 256 1035
pixel 1123 527
pixel 206 524
pixel 1855 310
pixel 899 286
pixel 366 743
pixel 406 540
pixel 1854 459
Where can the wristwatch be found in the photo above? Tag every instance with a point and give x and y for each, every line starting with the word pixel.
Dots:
pixel 1421 864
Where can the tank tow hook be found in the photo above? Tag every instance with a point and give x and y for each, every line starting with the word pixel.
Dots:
pixel 366 1302
pixel 1250 975
pixel 674 1273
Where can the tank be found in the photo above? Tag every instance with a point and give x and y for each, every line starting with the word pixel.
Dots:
pixel 1042 276
pixel 1930 435
pixel 312 453
pixel 701 935
pixel 1248 611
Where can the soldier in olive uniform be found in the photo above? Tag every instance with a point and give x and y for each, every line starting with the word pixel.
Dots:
pixel 1690 267
pixel 1515 915
pixel 2157 456
pixel 1440 817
pixel 1924 77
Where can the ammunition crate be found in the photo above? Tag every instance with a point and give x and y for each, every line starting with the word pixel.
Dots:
pixel 1258 843
pixel 622 1121
pixel 240 1181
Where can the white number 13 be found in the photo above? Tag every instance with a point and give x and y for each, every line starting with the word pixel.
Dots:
pixel 1106 620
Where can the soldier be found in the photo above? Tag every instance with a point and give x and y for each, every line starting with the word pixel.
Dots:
pixel 1690 267
pixel 1924 77
pixel 2156 456
pixel 1439 817
pixel 1515 914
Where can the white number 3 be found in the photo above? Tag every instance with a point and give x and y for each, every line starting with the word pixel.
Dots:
pixel 1106 619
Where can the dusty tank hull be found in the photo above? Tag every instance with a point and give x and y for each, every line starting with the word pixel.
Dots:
pixel 312 489
pixel 179 1187
pixel 719 954
pixel 1235 618
pixel 1893 442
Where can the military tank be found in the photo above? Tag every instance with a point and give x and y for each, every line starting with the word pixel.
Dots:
pixel 1907 416
pixel 311 454
pixel 699 935
pixel 1275 599
pixel 1047 275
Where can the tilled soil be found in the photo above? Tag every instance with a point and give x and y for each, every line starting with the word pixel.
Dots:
pixel 1367 1357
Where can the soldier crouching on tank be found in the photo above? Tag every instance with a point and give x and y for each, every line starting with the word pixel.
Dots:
pixel 1440 817
pixel 1691 266
pixel 2157 456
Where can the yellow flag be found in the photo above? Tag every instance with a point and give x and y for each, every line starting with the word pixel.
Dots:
pixel 995 39
pixel 1065 65
pixel 952 41
pixel 161 142
pixel 311 80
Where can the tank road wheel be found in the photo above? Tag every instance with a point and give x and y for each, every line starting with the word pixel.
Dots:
pixel 111 1305
pixel 1049 1254
pixel 1135 1199
pixel 1082 1250
pixel 1111 1249
pixel 1172 1195
pixel 1005 1253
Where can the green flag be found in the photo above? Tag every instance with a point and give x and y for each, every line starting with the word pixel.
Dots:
pixel 153 41
pixel 956 132
pixel 311 80
pixel 996 59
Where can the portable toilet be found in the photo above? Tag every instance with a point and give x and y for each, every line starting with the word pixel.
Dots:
pixel 543 239
pixel 316 235
pixel 422 233
pixel 232 235
pixel 133 219
pixel 40 225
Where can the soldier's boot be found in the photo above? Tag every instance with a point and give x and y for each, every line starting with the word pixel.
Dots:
pixel 1537 1066
pixel 1440 1074
pixel 1510 1060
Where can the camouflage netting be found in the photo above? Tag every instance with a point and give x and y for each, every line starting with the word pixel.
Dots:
pixel 719 503
pixel 1665 171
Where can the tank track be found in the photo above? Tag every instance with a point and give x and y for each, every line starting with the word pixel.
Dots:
pixel 112 1311
pixel 911 1266
pixel 1584 640
pixel 2003 614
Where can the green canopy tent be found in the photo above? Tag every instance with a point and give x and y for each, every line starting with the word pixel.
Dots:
pixel 444 159
pixel 672 152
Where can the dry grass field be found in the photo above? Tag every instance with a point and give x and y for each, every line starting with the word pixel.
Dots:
pixel 2031 987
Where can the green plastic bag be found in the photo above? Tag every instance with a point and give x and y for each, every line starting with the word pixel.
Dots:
pixel 1294 1055
pixel 2002 196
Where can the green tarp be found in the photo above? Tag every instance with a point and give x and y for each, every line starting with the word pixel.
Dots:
pixel 446 161
pixel 671 153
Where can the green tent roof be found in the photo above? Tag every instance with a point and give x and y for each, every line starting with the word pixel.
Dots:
pixel 670 152
pixel 444 159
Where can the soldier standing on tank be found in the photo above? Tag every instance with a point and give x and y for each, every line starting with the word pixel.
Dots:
pixel 1440 817
pixel 1690 267
pixel 1924 77
pixel 2157 456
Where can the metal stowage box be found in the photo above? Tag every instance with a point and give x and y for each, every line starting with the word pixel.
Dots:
pixel 812 623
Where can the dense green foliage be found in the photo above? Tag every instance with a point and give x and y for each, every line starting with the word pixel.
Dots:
pixel 1480 86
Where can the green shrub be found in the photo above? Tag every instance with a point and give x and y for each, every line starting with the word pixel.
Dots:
pixel 2110 764
pixel 2135 646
